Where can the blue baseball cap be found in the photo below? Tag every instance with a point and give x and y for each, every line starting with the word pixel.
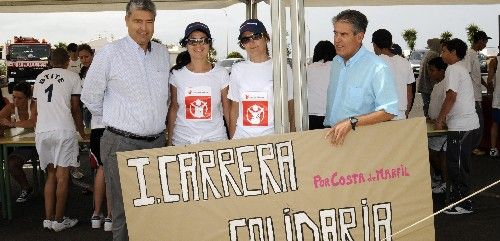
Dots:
pixel 196 26
pixel 252 25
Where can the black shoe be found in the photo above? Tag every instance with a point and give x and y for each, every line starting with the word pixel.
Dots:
pixel 25 195
pixel 462 208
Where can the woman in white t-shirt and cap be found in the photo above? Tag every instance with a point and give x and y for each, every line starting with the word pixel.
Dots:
pixel 251 86
pixel 318 78
pixel 198 92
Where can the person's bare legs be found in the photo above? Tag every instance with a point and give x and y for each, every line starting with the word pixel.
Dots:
pixel 494 134
pixel 99 190
pixel 50 192
pixel 62 175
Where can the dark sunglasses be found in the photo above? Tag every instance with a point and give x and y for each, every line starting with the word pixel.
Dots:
pixel 198 41
pixel 255 36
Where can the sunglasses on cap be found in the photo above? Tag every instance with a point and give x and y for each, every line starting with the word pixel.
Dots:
pixel 198 41
pixel 255 36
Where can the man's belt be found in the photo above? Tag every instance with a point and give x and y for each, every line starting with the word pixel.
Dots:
pixel 132 135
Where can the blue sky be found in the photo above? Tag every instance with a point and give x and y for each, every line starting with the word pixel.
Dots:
pixel 429 21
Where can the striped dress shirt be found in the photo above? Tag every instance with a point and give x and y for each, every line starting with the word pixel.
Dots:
pixel 129 87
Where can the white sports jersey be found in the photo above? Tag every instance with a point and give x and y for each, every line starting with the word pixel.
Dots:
pixel 437 98
pixel 496 92
pixel 403 75
pixel 462 116
pixel 251 85
pixel 52 91
pixel 318 78
pixel 75 66
pixel 200 115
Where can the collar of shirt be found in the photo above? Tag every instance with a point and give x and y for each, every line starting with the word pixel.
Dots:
pixel 362 50
pixel 137 46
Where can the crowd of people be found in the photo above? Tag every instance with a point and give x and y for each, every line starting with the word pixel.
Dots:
pixel 132 99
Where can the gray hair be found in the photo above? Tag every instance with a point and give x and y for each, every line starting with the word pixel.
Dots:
pixel 146 5
pixel 356 18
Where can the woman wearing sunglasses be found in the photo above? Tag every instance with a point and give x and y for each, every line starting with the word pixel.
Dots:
pixel 198 92
pixel 251 86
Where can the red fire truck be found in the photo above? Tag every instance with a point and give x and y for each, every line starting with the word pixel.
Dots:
pixel 26 58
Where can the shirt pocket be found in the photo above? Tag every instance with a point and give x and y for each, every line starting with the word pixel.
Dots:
pixel 354 98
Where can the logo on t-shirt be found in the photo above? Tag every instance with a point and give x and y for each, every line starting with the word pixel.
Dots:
pixel 198 101
pixel 255 109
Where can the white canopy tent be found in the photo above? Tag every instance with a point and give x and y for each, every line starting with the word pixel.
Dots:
pixel 278 29
pixel 33 6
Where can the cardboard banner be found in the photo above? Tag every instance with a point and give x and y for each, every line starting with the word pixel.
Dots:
pixel 283 187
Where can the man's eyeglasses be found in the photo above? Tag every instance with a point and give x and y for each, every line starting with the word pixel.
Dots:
pixel 198 41
pixel 255 36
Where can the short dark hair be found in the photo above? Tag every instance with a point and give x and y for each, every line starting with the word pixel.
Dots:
pixel 85 47
pixel 438 63
pixel 146 5
pixel 354 17
pixel 382 38
pixel 72 47
pixel 24 88
pixel 458 45
pixel 59 57
pixel 324 50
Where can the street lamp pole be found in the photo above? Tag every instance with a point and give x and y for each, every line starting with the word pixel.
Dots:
pixel 227 32
pixel 309 41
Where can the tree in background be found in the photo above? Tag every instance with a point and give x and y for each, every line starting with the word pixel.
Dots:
pixel 410 37
pixel 446 35
pixel 471 29
pixel 234 54
pixel 212 55
pixel 61 45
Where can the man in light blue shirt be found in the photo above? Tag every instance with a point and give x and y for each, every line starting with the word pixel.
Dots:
pixel 362 89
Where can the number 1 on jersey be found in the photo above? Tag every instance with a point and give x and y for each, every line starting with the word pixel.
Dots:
pixel 49 90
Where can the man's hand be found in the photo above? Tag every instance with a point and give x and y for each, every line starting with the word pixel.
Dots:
pixel 338 132
pixel 85 136
pixel 438 125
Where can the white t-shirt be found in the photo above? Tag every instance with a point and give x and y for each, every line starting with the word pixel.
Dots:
pixel 52 91
pixel 437 98
pixel 75 66
pixel 462 116
pixel 200 116
pixel 403 75
pixel 251 85
pixel 471 62
pixel 495 103
pixel 318 78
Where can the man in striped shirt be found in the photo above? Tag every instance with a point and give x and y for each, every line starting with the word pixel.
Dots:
pixel 127 85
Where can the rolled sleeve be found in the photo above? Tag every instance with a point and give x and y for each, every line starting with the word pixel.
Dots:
pixel 386 97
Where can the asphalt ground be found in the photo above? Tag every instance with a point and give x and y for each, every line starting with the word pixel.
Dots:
pixel 482 225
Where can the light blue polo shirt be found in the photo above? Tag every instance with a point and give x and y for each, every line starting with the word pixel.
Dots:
pixel 362 85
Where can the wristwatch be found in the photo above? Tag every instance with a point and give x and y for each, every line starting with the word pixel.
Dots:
pixel 354 122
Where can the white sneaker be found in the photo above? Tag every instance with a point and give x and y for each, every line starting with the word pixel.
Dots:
pixel 440 188
pixel 66 223
pixel 494 152
pixel 108 224
pixel 47 224
pixel 96 221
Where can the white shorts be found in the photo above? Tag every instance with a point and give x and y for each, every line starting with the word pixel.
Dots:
pixel 57 147
pixel 437 143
